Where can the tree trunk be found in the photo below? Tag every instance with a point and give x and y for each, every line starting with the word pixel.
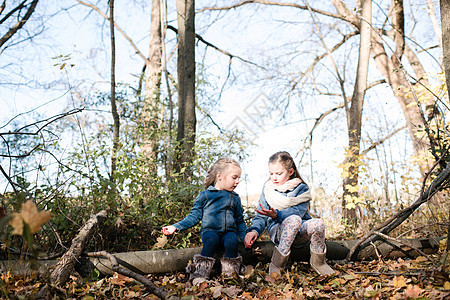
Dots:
pixel 445 24
pixel 66 264
pixel 351 163
pixel 186 85
pixel 392 71
pixel 115 115
pixel 150 115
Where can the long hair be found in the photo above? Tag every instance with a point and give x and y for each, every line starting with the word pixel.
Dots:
pixel 286 160
pixel 218 167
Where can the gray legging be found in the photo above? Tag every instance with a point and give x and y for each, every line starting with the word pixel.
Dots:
pixel 294 231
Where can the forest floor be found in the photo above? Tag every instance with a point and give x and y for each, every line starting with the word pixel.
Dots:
pixel 378 279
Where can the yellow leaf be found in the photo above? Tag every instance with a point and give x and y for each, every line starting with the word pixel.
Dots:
pixel 161 241
pixel 30 215
pixel 421 259
pixel 398 282
pixel 447 285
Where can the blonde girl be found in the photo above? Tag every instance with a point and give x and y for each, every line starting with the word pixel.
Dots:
pixel 219 209
pixel 283 210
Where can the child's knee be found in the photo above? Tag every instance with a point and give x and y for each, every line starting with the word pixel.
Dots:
pixel 319 225
pixel 294 220
pixel 210 239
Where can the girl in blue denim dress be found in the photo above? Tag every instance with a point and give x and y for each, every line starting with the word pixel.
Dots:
pixel 283 211
pixel 220 211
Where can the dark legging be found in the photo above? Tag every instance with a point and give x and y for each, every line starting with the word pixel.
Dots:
pixel 212 240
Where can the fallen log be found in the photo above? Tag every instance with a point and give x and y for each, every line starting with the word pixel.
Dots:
pixel 175 260
pixel 65 266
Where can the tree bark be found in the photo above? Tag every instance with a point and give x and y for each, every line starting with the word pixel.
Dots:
pixel 150 114
pixel 354 117
pixel 445 24
pixel 186 85
pixel 66 264
pixel 115 114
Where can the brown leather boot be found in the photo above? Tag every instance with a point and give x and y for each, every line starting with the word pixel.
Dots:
pixel 231 265
pixel 319 264
pixel 279 261
pixel 201 267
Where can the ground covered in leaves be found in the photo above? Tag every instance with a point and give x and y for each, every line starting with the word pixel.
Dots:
pixel 389 279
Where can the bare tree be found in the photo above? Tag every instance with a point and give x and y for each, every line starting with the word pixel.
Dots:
pixel 186 84
pixel 354 115
pixel 116 118
pixel 390 52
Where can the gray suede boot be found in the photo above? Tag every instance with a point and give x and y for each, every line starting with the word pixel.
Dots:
pixel 231 265
pixel 319 264
pixel 201 267
pixel 279 261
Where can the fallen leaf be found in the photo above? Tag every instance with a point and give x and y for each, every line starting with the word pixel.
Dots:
pixel 30 215
pixel 413 291
pixel 310 293
pixel 161 241
pixel 399 281
pixel 119 279
pixel 447 285
pixel 249 270
pixel 217 291
pixel 421 259
pixel 232 291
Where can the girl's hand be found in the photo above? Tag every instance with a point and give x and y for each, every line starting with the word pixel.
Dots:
pixel 168 230
pixel 250 238
pixel 271 212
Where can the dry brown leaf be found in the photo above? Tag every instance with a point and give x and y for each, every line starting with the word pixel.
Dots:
pixel 421 259
pixel 399 281
pixel 161 241
pixel 217 291
pixel 30 215
pixel 413 291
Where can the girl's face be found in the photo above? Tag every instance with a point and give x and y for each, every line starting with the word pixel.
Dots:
pixel 228 179
pixel 279 174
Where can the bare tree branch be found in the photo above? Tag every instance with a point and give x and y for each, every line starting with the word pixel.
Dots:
pixel 141 278
pixel 48 122
pixel 200 38
pixel 436 185
pixel 379 142
pixel 118 28
pixel 20 23
pixel 275 3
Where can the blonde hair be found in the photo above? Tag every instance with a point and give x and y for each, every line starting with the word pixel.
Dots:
pixel 286 160
pixel 218 167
